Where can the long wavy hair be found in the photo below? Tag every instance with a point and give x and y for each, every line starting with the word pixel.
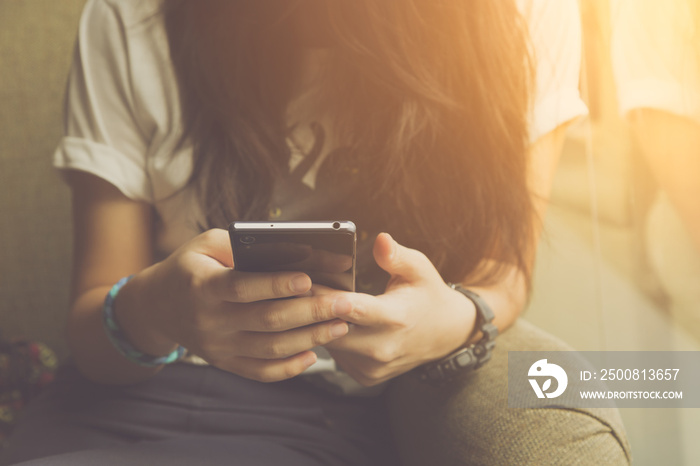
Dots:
pixel 430 96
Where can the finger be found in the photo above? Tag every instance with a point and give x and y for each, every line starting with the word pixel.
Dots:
pixel 367 310
pixel 365 342
pixel 410 264
pixel 368 371
pixel 271 370
pixel 282 345
pixel 247 287
pixel 375 355
pixel 320 290
pixel 285 314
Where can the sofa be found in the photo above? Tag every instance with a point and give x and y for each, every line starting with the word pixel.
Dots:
pixel 456 425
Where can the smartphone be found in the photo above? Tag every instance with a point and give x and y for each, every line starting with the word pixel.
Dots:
pixel 324 250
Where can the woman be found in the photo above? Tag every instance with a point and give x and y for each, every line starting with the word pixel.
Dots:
pixel 420 119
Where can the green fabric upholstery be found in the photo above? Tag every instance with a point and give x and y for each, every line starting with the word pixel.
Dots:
pixel 470 422
pixel 36 39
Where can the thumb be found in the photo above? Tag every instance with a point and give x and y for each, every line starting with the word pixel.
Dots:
pixel 216 244
pixel 398 260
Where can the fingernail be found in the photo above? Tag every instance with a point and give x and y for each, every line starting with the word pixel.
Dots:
pixel 341 307
pixel 393 245
pixel 299 284
pixel 339 329
pixel 310 359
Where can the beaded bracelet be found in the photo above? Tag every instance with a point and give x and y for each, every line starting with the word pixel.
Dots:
pixel 121 342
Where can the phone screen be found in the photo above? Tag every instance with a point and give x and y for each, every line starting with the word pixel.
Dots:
pixel 323 250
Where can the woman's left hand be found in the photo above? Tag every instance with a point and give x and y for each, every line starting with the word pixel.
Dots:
pixel 418 318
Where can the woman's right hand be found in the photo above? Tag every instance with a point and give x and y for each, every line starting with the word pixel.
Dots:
pixel 233 320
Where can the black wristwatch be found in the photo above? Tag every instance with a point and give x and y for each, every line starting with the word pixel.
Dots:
pixel 470 357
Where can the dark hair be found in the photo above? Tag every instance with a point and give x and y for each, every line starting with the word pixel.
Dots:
pixel 430 96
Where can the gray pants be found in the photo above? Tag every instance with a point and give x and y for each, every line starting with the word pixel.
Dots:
pixel 198 415
pixel 190 415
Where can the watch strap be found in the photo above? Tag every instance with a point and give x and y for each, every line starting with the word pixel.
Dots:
pixel 471 356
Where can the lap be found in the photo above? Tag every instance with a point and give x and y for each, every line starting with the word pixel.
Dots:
pixel 186 451
pixel 196 415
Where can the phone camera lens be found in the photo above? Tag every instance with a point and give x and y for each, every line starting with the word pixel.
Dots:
pixel 248 239
pixel 336 225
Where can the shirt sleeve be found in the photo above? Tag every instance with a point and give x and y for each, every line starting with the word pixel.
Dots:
pixel 555 35
pixel 102 134
pixel 655 56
